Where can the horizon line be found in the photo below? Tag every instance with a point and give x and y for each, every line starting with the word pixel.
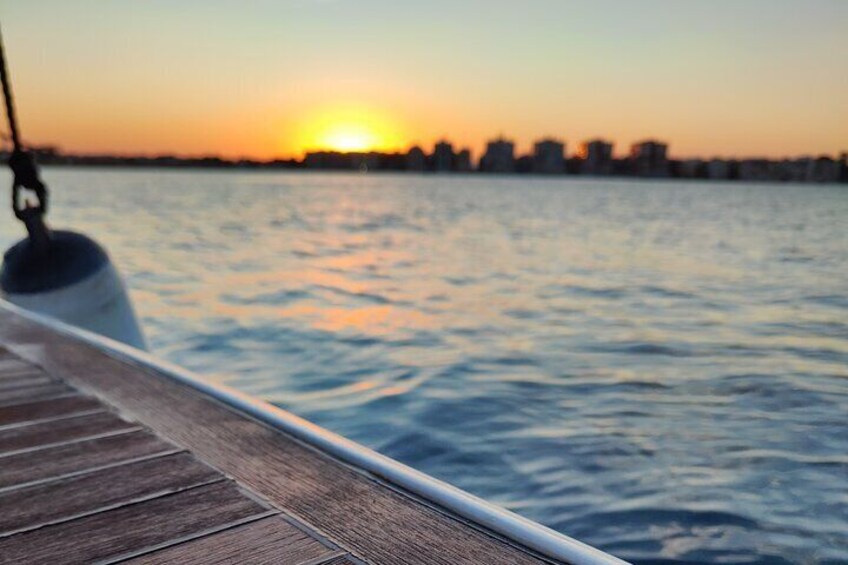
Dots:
pixel 59 151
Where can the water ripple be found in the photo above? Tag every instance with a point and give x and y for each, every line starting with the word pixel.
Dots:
pixel 660 369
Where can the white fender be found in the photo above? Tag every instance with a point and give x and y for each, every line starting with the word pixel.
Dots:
pixel 75 282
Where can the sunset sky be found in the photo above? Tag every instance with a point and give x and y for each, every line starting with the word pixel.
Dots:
pixel 267 79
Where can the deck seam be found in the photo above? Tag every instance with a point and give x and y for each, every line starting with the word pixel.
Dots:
pixel 185 539
pixel 25 372
pixel 101 435
pixel 5 387
pixel 109 507
pixel 15 402
pixel 21 402
pixel 91 470
pixel 312 531
pixel 49 419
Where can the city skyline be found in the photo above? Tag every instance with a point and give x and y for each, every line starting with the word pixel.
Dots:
pixel 649 158
pixel 751 78
pixel 570 149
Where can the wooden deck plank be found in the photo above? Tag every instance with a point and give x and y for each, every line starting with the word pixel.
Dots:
pixel 47 409
pixel 22 372
pixel 61 431
pixel 44 503
pixel 22 468
pixel 376 522
pixel 11 365
pixel 33 393
pixel 132 529
pixel 20 381
pixel 270 541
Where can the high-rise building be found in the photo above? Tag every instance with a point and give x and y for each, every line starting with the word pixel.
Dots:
pixel 499 157
pixel 416 160
pixel 597 157
pixel 649 159
pixel 462 164
pixel 443 157
pixel 549 157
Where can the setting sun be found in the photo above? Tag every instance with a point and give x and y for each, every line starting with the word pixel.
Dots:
pixel 349 137
pixel 348 128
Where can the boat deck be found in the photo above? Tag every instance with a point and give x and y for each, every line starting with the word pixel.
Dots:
pixel 103 460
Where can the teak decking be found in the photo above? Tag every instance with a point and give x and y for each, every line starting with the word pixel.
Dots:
pixel 105 461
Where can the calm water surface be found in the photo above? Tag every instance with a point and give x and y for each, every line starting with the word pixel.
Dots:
pixel 657 368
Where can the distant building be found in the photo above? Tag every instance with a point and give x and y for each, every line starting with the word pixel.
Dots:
pixel 416 160
pixel 804 169
pixel 371 161
pixel 597 157
pixel 756 170
pixel 649 159
pixel 462 164
pixel 718 169
pixel 336 160
pixel 823 169
pixel 523 164
pixel 549 157
pixel 499 157
pixel 443 157
pixel 328 160
pixel 691 169
pixel 799 170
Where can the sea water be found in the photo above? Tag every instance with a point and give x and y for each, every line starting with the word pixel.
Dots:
pixel 658 368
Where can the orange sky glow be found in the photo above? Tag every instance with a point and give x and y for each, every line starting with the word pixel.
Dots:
pixel 282 78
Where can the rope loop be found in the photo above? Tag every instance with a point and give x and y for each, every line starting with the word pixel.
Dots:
pixel 26 177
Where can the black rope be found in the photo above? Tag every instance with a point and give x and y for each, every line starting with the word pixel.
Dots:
pixel 7 96
pixel 22 163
